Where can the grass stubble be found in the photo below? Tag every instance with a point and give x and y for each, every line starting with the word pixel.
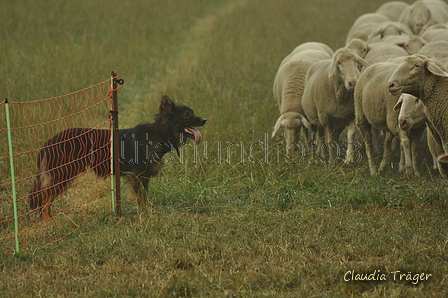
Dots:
pixel 240 226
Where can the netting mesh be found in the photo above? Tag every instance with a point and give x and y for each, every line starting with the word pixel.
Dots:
pixel 79 154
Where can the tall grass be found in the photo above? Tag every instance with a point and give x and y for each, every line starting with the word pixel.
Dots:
pixel 239 226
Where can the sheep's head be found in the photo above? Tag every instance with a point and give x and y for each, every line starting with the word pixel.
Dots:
pixel 361 47
pixel 390 29
pixel 413 44
pixel 346 63
pixel 406 77
pixel 290 121
pixel 419 15
pixel 411 109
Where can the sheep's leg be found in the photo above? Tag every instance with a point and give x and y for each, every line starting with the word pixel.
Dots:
pixel 326 144
pixel 386 151
pixel 414 151
pixel 337 149
pixel 313 144
pixel 376 140
pixel 365 129
pixel 321 152
pixel 406 149
pixel 349 158
pixel 306 135
pixel 402 165
pixel 435 147
pixel 332 145
pixel 415 137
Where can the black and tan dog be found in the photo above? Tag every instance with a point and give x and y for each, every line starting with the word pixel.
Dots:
pixel 70 152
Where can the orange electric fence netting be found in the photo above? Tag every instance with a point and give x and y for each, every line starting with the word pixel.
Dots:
pixel 32 124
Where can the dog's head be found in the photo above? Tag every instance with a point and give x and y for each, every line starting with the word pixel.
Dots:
pixel 178 121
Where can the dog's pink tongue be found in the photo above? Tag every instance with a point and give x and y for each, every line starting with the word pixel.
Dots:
pixel 196 133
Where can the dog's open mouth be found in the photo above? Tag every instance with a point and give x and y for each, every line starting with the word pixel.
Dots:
pixel 194 134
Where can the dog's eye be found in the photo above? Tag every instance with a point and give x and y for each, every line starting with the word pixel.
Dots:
pixel 187 113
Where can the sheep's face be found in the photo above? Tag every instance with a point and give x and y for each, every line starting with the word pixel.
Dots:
pixel 345 63
pixel 411 109
pixel 291 123
pixel 404 78
pixel 419 16
pixel 408 76
pixel 394 29
pixel 414 44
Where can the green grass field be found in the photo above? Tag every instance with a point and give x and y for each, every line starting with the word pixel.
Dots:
pixel 231 223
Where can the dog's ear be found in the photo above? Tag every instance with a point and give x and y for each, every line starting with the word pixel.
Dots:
pixel 166 106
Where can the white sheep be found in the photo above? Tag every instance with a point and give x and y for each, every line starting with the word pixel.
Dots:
pixel 419 13
pixel 436 49
pixel 364 25
pixel 375 108
pixel 381 52
pixel 311 45
pixel 435 34
pixel 387 29
pixel 412 111
pixel 288 89
pixel 361 47
pixel 412 115
pixel 392 9
pixel 426 78
pixel 412 44
pixel 328 98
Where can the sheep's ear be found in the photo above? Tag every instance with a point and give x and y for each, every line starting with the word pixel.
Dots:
pixel 436 69
pixel 398 104
pixel 362 62
pixel 306 123
pixel 277 126
pixel 333 66
pixel 375 33
pixel 442 158
pixel 400 43
pixel 403 31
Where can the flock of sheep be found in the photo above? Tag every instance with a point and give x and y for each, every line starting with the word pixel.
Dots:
pixel 389 80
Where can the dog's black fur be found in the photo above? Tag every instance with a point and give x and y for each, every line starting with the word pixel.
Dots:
pixel 70 152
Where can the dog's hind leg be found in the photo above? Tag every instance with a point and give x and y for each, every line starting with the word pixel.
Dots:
pixel 55 184
pixel 39 198
pixel 42 195
pixel 34 197
pixel 46 187
pixel 47 195
pixel 140 189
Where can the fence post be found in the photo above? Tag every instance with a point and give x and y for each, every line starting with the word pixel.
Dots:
pixel 13 179
pixel 115 146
